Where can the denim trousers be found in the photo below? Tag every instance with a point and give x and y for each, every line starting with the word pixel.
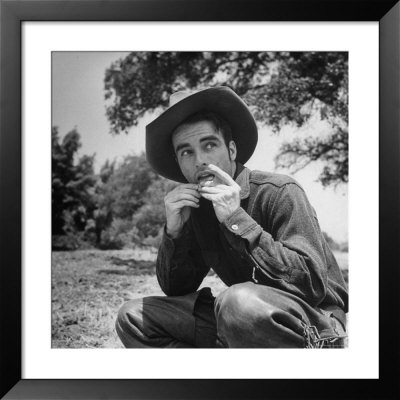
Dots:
pixel 245 315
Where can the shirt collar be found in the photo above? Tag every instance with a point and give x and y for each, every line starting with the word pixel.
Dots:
pixel 242 178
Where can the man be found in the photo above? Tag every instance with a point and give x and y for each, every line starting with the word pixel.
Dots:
pixel 256 230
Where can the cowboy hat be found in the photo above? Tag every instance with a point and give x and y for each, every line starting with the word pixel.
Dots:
pixel 223 101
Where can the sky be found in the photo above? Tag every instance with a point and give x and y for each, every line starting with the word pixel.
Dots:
pixel 78 101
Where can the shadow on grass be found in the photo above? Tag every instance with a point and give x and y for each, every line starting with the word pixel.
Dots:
pixel 132 267
pixel 117 272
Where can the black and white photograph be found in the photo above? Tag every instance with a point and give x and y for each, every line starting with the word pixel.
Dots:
pixel 199 199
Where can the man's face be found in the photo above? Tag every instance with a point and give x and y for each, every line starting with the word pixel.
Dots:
pixel 198 144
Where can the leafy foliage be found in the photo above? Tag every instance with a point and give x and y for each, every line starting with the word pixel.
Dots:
pixel 120 205
pixel 121 195
pixel 147 216
pixel 280 87
pixel 117 235
pixel 72 184
pixel 331 150
pixel 122 191
pixel 150 218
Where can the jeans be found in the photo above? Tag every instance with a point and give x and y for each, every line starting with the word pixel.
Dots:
pixel 245 315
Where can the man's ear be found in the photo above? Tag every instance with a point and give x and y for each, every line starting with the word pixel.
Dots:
pixel 232 150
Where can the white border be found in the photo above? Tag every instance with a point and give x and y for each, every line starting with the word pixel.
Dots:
pixel 360 360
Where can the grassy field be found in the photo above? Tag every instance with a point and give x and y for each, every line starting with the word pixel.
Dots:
pixel 89 286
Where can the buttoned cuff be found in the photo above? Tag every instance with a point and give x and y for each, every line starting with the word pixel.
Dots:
pixel 240 223
pixel 240 226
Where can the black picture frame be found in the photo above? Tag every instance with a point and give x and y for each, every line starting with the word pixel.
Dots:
pixel 12 13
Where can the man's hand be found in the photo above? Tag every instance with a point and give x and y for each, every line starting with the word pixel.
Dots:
pixel 177 207
pixel 225 196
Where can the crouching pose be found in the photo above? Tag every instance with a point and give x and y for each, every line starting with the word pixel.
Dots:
pixel 255 229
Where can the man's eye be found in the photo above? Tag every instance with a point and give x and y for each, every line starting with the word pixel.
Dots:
pixel 185 153
pixel 210 145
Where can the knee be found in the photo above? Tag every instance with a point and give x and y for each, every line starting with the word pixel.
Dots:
pixel 129 314
pixel 237 299
pixel 240 306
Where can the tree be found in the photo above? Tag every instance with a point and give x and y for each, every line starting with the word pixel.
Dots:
pixel 72 184
pixel 120 193
pixel 103 215
pixel 150 217
pixel 280 87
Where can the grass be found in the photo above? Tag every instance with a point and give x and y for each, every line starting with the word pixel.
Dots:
pixel 89 287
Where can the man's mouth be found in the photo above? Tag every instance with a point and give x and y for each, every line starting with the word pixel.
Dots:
pixel 205 177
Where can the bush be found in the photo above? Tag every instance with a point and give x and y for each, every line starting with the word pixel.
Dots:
pixel 66 242
pixel 148 220
pixel 117 236
pixel 154 241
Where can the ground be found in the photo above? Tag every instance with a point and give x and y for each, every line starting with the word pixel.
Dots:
pixel 89 286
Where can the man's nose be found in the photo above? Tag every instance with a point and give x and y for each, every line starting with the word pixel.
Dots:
pixel 201 159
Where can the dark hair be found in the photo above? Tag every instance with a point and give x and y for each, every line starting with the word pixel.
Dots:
pixel 219 123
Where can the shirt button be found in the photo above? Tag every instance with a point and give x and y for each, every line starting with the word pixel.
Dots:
pixel 235 227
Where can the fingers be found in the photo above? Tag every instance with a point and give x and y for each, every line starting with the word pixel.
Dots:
pixel 212 189
pixel 212 194
pixel 182 192
pixel 208 196
pixel 184 196
pixel 193 192
pixel 225 177
pixel 187 203
pixel 186 187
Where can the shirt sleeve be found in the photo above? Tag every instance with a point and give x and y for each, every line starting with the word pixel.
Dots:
pixel 180 267
pixel 290 255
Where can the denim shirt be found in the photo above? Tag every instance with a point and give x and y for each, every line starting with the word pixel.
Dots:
pixel 272 239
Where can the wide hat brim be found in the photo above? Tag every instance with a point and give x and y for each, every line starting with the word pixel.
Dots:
pixel 221 100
